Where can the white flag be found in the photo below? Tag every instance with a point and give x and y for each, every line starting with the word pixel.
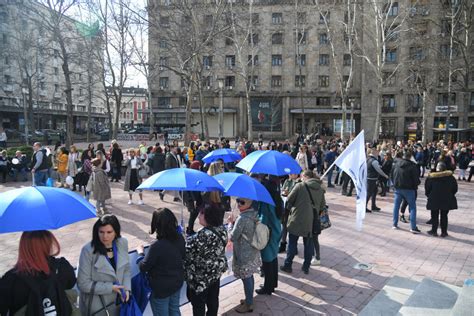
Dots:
pixel 353 162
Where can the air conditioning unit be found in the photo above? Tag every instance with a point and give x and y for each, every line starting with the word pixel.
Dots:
pixel 208 67
pixel 169 106
pixel 443 34
pixel 441 84
pixel 336 106
pixel 230 87
pixel 161 68
pixel 162 88
pixel 252 87
pixel 208 87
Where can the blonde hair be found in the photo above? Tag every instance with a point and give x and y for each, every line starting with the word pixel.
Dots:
pixel 214 169
pixel 73 148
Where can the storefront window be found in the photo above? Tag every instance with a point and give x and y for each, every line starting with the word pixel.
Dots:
pixel 440 122
pixel 388 128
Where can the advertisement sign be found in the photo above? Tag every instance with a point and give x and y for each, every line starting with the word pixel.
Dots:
pixel 266 114
pixel 444 108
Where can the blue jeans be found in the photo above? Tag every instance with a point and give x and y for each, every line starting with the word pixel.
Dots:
pixel 166 306
pixel 410 197
pixel 249 284
pixel 21 171
pixel 292 247
pixel 329 175
pixel 41 176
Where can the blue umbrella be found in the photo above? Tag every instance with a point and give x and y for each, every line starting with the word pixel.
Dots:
pixel 181 179
pixel 227 155
pixel 241 185
pixel 269 162
pixel 41 208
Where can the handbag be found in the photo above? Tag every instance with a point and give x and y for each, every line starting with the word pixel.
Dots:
pixel 323 221
pixel 142 173
pixel 130 308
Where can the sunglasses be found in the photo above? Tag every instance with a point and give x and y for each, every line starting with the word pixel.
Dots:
pixel 240 202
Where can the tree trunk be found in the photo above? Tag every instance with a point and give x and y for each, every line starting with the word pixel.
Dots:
pixel 424 127
pixel 118 104
pixel 377 117
pixel 31 111
pixel 189 117
pixel 249 116
pixel 344 118
pixel 152 116
pixel 69 105
pixel 89 106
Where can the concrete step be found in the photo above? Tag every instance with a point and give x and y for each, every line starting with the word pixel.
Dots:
pixel 465 304
pixel 391 298
pixel 432 298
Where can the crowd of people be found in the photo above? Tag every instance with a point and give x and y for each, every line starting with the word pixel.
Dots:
pixel 199 257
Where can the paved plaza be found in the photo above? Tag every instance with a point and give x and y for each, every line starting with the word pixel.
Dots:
pixel 335 287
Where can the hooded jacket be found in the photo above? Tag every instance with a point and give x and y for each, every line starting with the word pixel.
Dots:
pixel 405 174
pixel 300 220
pixel 440 188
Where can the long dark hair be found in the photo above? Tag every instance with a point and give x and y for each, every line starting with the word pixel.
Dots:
pixel 105 220
pixel 164 224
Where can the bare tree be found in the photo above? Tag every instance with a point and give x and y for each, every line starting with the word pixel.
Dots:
pixel 382 25
pixel 344 73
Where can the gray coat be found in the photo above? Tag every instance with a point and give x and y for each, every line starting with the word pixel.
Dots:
pixel 128 163
pixel 246 259
pixel 95 267
pixel 99 185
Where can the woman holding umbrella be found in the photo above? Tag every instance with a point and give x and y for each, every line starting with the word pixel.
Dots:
pixel 36 276
pixel 104 269
pixel 246 259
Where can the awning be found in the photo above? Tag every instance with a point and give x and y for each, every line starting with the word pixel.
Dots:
pixel 322 111
pixel 451 129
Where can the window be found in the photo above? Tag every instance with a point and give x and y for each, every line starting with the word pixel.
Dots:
pixel 414 103
pixel 163 61
pixel 276 81
pixel 302 38
pixel 208 21
pixel 323 101
pixel 301 17
pixel 416 53
pixel 440 122
pixel 207 61
pixel 207 81
pixel 388 103
pixel 391 34
pixel 388 127
pixel 323 59
pixel 471 105
pixel 41 68
pixel 300 60
pixel 81 92
pixel 389 79
pixel 253 82
pixel 323 39
pixel 56 53
pixel 391 55
pixel 324 16
pixel 5 39
pixel 164 102
pixel 229 41
pixel 345 79
pixel 346 60
pixel 392 10
pixel 277 18
pixel 255 18
pixel 182 101
pixel 165 21
pixel 163 44
pixel 276 60
pixel 230 61
pixel 3 17
pixel 164 82
pixel 7 60
pixel 443 99
pixel 253 39
pixel 56 88
pixel 277 38
pixel 183 83
pixel 229 82
pixel 445 27
pixel 7 79
pixel 444 51
pixel 253 61
pixel 42 85
pixel 300 81
pixel 324 81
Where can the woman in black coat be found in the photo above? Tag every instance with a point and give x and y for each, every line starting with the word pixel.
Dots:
pixel 158 160
pixel 441 188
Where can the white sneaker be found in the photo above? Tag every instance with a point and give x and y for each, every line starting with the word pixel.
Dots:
pixel 315 262
pixel 130 202
pixel 140 202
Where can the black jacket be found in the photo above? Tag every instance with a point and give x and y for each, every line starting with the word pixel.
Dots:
pixel 164 263
pixel 441 188
pixel 405 174
pixel 117 157
pixel 158 162
pixel 16 293
pixel 171 161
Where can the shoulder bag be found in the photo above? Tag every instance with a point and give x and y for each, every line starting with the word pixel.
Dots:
pixel 323 219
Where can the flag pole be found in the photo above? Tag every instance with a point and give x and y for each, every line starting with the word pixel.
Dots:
pixel 327 170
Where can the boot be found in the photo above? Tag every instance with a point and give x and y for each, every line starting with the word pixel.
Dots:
pixel 282 247
pixel 244 308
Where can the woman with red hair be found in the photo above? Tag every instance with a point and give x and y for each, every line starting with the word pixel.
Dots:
pixel 38 281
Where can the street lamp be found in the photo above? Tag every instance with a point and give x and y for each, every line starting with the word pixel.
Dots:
pixel 220 83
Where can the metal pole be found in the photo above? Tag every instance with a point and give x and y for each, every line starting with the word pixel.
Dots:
pixel 25 115
pixel 221 112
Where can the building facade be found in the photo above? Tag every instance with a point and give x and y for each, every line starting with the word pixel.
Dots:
pixel 31 77
pixel 299 57
pixel 134 110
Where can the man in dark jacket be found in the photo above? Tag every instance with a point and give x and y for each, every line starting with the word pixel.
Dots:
pixel 440 188
pixel 171 162
pixel 405 177
pixel 373 173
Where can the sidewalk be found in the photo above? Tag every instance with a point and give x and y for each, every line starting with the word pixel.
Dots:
pixel 335 287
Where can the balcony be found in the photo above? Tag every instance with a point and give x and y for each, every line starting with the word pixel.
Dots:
pixel 387 109
pixel 8 88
